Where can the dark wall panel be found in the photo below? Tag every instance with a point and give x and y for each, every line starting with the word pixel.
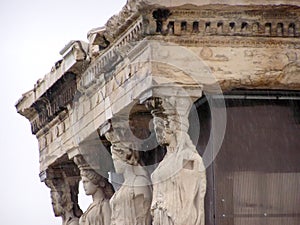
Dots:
pixel 255 178
pixel 257 171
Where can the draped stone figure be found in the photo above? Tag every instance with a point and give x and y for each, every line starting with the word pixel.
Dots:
pixel 179 181
pixel 64 192
pixel 58 202
pixel 131 203
pixel 98 212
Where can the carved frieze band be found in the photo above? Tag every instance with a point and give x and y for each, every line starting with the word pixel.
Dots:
pixel 273 21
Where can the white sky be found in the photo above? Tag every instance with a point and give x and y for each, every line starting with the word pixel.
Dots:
pixel 32 34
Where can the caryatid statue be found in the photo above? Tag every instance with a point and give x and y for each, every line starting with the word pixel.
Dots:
pixel 64 191
pixel 131 203
pixel 98 212
pixel 179 181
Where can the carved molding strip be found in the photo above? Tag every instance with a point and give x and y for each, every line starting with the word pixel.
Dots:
pixel 231 42
pixel 274 12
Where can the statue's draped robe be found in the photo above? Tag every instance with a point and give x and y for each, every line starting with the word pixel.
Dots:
pixel 179 186
pixel 94 214
pixel 72 221
pixel 124 209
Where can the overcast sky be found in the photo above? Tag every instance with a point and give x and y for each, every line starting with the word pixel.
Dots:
pixel 32 34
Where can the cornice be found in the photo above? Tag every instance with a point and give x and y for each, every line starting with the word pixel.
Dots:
pixel 74 62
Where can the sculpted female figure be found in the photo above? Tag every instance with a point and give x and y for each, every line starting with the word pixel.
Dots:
pixel 64 198
pixel 179 181
pixel 63 207
pixel 98 213
pixel 131 203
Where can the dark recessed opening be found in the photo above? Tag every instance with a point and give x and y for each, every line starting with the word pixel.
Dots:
pixel 207 26
pixel 158 26
pixel 232 25
pixel 292 29
pixel 183 25
pixel 280 29
pixel 268 27
pixel 244 26
pixel 171 27
pixel 195 26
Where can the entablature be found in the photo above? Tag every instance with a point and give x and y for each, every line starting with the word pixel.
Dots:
pixel 240 25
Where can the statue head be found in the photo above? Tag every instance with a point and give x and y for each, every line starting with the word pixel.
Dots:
pixel 170 118
pixel 92 181
pixel 124 157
